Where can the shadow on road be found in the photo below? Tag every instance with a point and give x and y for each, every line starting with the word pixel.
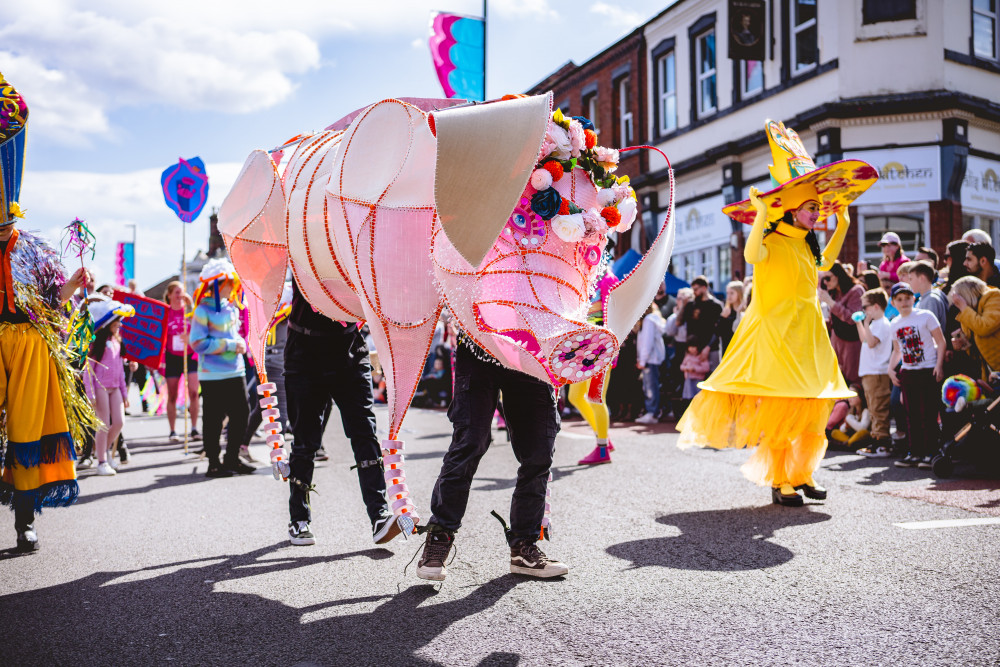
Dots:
pixel 144 616
pixel 719 540
pixel 501 483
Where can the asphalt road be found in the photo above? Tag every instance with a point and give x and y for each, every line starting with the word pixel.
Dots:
pixel 674 559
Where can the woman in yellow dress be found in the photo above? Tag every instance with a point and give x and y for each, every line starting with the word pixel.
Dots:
pixel 779 378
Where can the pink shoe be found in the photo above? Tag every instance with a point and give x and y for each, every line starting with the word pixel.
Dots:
pixel 501 423
pixel 595 457
pixel 611 447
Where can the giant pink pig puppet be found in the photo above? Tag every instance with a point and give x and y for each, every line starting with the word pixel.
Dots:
pixel 406 205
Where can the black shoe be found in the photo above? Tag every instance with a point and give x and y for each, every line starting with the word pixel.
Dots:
pixel 384 529
pixel 779 498
pixel 321 455
pixel 123 452
pixel 437 546
pixel 925 463
pixel 216 471
pixel 27 540
pixel 908 461
pixel 814 492
pixel 238 467
pixel 300 535
pixel 194 435
pixel 526 558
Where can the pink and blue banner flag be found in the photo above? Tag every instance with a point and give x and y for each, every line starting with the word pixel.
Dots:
pixel 458 48
pixel 125 263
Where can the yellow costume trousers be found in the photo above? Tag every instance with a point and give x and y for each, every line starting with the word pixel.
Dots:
pixel 596 414
pixel 40 455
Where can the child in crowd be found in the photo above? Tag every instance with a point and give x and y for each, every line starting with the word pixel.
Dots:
pixel 695 368
pixel 917 340
pixel 876 348
pixel 215 337
pixel 849 421
pixel 652 353
pixel 104 379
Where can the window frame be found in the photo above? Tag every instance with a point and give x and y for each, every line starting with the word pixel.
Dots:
pixel 660 54
pixel 995 18
pixel 700 77
pixel 588 104
pixel 741 65
pixel 697 30
pixel 794 29
pixel 625 117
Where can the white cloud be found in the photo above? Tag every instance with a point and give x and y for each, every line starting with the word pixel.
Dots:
pixel 418 43
pixel 617 15
pixel 111 202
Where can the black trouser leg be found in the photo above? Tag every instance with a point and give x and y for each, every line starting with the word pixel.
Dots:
pixel 352 391
pixel 24 512
pixel 471 414
pixel 532 422
pixel 222 398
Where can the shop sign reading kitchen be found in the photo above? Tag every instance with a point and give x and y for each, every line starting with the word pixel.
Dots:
pixel 905 175
pixel 701 225
pixel 981 187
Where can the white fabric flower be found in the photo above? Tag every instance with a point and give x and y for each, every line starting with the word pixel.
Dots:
pixel 541 179
pixel 606 197
pixel 569 228
pixel 577 139
pixel 628 209
pixel 562 148
pixel 594 222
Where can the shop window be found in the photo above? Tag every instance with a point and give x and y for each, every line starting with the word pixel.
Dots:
pixel 705 73
pixel 803 36
pixel 666 92
pixel 883 11
pixel 984 28
pixel 910 228
pixel 725 267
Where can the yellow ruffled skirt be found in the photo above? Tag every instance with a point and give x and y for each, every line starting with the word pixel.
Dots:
pixel 788 434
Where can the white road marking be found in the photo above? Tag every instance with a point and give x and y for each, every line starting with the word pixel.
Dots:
pixel 948 523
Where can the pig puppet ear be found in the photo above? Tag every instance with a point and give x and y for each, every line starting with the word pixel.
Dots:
pixel 485 156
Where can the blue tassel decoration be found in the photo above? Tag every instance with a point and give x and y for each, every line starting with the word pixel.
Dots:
pixel 53 448
pixel 55 494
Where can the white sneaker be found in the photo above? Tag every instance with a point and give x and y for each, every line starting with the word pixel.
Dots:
pixel 85 463
pixel 647 419
pixel 300 535
pixel 105 469
pixel 114 464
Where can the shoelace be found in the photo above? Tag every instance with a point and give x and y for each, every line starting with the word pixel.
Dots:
pixel 436 546
pixel 533 553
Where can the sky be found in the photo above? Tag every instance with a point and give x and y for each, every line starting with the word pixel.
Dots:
pixel 117 90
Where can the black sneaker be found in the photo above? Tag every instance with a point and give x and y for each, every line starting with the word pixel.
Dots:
pixel 27 540
pixel 123 452
pixel 437 546
pixel 216 471
pixel 925 463
pixel 321 455
pixel 300 535
pixel 526 558
pixel 239 467
pixel 385 528
pixel 194 435
pixel 908 461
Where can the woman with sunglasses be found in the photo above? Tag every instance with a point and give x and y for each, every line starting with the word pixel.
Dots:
pixel 842 295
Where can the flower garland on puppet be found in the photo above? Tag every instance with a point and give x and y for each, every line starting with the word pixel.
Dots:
pixel 571 143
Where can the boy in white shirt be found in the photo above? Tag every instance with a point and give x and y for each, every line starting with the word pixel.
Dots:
pixel 874 331
pixel 917 341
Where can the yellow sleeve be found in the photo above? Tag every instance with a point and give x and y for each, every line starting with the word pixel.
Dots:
pixel 836 241
pixel 755 252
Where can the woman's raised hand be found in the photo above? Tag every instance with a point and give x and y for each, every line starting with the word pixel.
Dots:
pixel 755 201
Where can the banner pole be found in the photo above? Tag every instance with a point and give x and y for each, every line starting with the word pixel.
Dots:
pixel 184 371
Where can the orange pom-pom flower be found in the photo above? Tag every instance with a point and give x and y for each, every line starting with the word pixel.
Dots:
pixel 590 137
pixel 564 207
pixel 611 214
pixel 555 168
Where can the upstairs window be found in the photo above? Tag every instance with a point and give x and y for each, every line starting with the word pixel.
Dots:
pixel 590 110
pixel 666 82
pixel 884 11
pixel 751 78
pixel 624 112
pixel 984 29
pixel 803 36
pixel 705 73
